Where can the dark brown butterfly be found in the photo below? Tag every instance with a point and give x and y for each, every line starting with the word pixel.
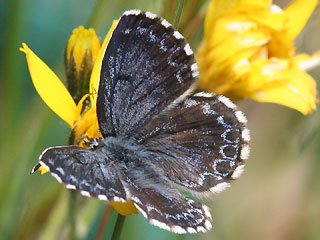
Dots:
pixel 157 134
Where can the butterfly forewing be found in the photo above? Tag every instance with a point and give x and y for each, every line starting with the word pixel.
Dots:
pixel 146 66
pixel 84 170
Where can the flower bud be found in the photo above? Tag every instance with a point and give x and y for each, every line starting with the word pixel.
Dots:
pixel 80 54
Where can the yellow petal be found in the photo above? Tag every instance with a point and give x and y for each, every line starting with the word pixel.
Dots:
pixel 277 81
pixel 306 62
pixel 87 125
pixel 217 8
pixel 273 21
pixel 124 209
pixel 95 75
pixel 79 107
pixel 298 13
pixel 221 64
pixel 296 89
pixel 50 88
pixel 261 3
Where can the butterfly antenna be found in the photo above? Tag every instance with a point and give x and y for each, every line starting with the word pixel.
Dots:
pixel 35 168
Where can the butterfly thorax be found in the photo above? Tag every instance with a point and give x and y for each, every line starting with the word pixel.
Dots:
pixel 128 156
pixel 120 150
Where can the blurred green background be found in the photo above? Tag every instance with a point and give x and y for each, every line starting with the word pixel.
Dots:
pixel 278 196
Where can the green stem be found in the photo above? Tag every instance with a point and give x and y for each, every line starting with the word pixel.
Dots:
pixel 94 15
pixel 11 79
pixel 72 214
pixel 177 14
pixel 104 222
pixel 118 227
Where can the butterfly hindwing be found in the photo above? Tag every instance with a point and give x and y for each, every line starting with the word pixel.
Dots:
pixel 201 143
pixel 146 184
pixel 166 208
pixel 85 170
pixel 146 66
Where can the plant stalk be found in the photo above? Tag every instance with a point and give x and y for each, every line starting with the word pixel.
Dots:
pixel 95 13
pixel 177 14
pixel 72 214
pixel 118 227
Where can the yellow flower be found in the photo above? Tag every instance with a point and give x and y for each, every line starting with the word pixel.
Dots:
pixel 83 122
pixel 248 51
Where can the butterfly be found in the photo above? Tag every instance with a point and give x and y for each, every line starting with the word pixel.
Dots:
pixel 159 136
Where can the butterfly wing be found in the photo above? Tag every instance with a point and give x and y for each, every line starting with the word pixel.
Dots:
pixel 201 144
pixel 84 170
pixel 170 211
pixel 156 198
pixel 146 66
